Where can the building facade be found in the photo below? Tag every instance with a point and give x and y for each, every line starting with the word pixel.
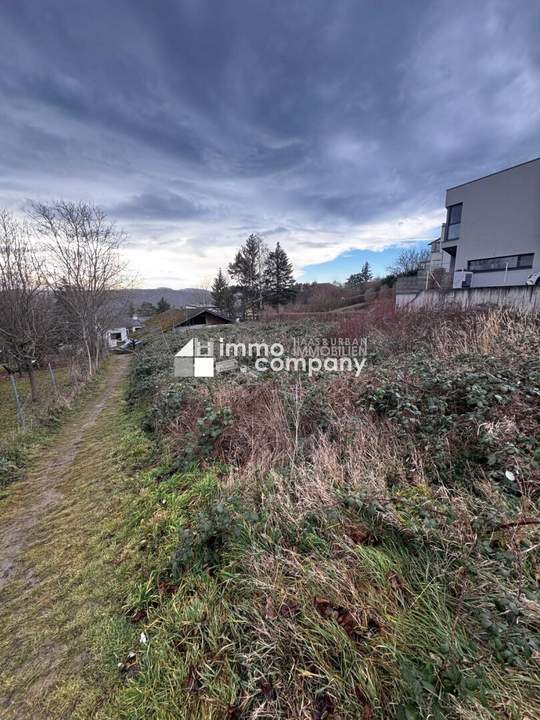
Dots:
pixel 492 230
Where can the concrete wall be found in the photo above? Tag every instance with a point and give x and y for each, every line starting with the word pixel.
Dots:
pixel 500 216
pixel 522 297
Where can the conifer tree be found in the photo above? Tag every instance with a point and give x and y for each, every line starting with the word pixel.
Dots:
pixel 356 280
pixel 365 272
pixel 278 277
pixel 247 269
pixel 221 293
pixel 162 305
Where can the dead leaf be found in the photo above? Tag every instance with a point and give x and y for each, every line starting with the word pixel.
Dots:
pixel 367 712
pixel 359 534
pixel 137 616
pixel 267 689
pixel 234 712
pixel 270 610
pixel 167 588
pixel 340 614
pixel 192 682
pixel 323 707
pixel 394 582
pixel 289 608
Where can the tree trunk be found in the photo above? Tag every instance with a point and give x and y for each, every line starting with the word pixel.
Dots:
pixel 89 356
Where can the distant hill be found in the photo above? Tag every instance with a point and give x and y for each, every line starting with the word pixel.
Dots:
pixel 175 298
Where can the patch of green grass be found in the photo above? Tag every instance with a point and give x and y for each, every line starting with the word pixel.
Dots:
pixel 258 627
pixel 18 448
pixel 61 635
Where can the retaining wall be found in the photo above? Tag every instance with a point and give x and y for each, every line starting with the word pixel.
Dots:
pixel 524 297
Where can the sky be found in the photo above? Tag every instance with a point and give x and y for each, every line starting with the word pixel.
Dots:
pixel 331 127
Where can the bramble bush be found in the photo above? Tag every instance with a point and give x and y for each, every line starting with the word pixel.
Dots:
pixel 346 548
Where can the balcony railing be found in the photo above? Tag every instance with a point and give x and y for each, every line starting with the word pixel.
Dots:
pixel 438 279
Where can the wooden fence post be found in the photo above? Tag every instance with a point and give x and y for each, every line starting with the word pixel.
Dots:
pixel 20 412
pixel 53 380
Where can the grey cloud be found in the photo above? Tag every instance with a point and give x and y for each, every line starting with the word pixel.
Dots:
pixel 273 231
pixel 277 115
pixel 149 206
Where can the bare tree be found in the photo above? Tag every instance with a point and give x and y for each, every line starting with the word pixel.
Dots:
pixel 202 295
pixel 408 261
pixel 26 312
pixel 83 268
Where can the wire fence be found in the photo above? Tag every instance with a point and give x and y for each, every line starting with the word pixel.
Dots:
pixel 19 410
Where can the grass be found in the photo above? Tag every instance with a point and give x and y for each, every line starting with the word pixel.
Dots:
pixel 61 634
pixel 331 550
pixel 339 548
pixel 18 447
pixel 8 408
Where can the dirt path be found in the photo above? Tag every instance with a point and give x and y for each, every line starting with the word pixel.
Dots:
pixel 56 574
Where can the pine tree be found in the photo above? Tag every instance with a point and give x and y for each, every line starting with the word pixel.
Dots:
pixel 247 269
pixel 221 293
pixel 278 277
pixel 365 272
pixel 356 280
pixel 162 305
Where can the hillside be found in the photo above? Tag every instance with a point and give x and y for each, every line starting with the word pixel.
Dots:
pixel 261 544
pixel 340 547
pixel 175 298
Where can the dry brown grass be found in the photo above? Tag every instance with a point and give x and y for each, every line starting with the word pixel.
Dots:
pixel 259 430
pixel 494 332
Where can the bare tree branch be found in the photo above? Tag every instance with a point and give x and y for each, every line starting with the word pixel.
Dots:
pixel 26 307
pixel 84 269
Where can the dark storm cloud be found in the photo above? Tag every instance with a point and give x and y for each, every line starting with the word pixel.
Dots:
pixel 256 114
pixel 167 205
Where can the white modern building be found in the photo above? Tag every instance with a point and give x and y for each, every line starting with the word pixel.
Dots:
pixel 491 237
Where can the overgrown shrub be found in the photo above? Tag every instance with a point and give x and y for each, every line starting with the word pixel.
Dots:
pixel 347 548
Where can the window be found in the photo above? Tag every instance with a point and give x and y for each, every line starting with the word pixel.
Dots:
pixel 116 336
pixel 510 262
pixel 453 222
pixel 525 261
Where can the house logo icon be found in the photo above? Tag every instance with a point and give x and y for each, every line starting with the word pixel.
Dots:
pixel 195 359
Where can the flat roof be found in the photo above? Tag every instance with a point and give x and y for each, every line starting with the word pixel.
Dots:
pixel 497 172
